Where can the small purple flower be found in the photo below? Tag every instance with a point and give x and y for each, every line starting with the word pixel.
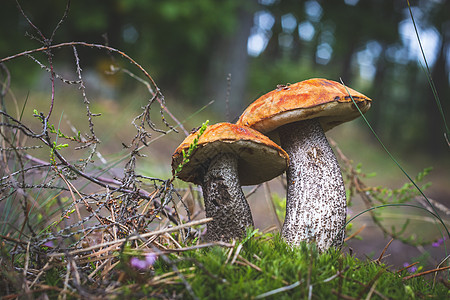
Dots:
pixel 142 264
pixel 412 269
pixel 438 243
pixel 150 258
pixel 49 244
pixel 138 264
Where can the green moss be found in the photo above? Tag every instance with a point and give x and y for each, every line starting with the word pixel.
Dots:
pixel 265 263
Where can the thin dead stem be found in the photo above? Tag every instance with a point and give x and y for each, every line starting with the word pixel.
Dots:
pixel 73 216
pixel 426 272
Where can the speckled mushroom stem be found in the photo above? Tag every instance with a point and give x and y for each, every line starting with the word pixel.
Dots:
pixel 316 202
pixel 224 200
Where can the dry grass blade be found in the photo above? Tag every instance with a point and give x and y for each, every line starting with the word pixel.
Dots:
pixel 173 240
pixel 407 267
pixel 371 291
pixel 25 269
pixel 369 285
pixel 99 268
pixel 355 233
pixel 308 278
pixel 230 252
pixel 46 266
pixel 336 275
pixel 268 196
pixel 236 253
pixel 342 296
pixel 363 285
pixel 435 203
pixel 384 251
pixel 70 186
pixel 280 290
pixel 252 191
pixel 17 241
pixel 41 288
pixel 200 246
pixel 426 272
pixel 145 235
pixel 162 279
pixel 245 262
pixel 66 281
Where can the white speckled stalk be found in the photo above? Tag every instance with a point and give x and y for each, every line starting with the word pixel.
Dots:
pixel 224 200
pixel 316 204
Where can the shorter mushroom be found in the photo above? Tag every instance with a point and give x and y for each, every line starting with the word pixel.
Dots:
pixel 227 156
pixel 298 115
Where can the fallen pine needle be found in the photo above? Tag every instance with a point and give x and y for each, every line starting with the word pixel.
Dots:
pixel 280 290
pixel 355 233
pixel 247 263
pixel 426 272
pixel 407 267
pixel 384 250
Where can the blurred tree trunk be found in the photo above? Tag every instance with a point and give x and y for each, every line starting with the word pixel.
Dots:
pixel 346 71
pixel 297 47
pixel 377 93
pixel 273 50
pixel 230 57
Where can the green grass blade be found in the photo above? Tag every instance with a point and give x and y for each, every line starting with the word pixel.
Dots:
pixel 397 204
pixel 396 162
pixel 428 74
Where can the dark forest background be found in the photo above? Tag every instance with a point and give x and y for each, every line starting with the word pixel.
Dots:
pixel 190 47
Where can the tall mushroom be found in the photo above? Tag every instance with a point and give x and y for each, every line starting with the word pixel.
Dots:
pixel 227 156
pixel 297 116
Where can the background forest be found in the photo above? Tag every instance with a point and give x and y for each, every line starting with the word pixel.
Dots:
pixel 190 48
pixel 209 60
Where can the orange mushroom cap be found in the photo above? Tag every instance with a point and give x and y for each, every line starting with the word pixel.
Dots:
pixel 319 98
pixel 259 159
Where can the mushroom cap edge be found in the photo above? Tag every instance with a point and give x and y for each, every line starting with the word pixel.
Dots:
pixel 259 158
